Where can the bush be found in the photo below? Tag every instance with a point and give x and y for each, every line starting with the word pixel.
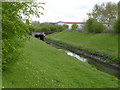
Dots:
pixel 93 25
pixel 89 25
pixel 59 28
pixel 46 27
pixel 115 27
pixel 53 28
pixel 65 26
pixel 74 26
pixel 56 28
pixel 98 27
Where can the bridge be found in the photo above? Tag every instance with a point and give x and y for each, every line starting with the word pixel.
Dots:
pixel 40 35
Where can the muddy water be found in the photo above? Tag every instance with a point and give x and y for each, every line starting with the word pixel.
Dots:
pixel 104 67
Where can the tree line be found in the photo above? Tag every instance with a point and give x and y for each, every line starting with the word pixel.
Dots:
pixel 45 27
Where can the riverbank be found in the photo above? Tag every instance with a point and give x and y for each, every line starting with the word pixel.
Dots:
pixel 103 45
pixel 46 67
pixel 94 61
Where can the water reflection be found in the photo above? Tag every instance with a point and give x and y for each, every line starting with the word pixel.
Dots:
pixel 76 56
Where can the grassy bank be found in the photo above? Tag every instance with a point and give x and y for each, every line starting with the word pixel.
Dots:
pixel 104 45
pixel 0 73
pixel 45 66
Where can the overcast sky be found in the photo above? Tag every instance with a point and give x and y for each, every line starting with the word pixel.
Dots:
pixel 68 10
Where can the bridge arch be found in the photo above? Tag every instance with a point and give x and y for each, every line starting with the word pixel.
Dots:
pixel 39 35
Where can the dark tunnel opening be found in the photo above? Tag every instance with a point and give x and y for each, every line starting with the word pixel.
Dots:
pixel 41 37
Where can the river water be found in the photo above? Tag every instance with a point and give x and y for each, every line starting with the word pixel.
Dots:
pixel 104 67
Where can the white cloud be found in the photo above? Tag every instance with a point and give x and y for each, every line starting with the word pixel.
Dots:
pixel 68 10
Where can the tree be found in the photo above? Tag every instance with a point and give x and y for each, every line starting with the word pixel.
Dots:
pixel 14 30
pixel 93 25
pixel 65 26
pixel 116 26
pixel 105 12
pixel 89 25
pixel 98 27
pixel 119 17
pixel 74 26
pixel 44 28
pixel 59 28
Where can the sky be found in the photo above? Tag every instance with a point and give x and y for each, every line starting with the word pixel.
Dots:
pixel 67 10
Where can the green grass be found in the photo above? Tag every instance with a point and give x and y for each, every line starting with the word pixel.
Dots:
pixel 0 72
pixel 0 77
pixel 102 44
pixel 46 67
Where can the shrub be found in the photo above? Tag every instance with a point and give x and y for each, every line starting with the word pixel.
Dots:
pixel 93 25
pixel 89 25
pixel 98 27
pixel 74 26
pixel 53 28
pixel 46 27
pixel 59 28
pixel 115 27
pixel 65 26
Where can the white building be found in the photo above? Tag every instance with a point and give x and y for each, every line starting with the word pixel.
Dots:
pixel 70 24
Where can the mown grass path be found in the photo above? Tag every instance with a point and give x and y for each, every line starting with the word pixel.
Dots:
pixel 46 67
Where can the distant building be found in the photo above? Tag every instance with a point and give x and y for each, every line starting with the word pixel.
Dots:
pixel 109 26
pixel 70 24
pixel 48 23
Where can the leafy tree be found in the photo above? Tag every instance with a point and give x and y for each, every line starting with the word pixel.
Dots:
pixel 116 26
pixel 93 25
pixel 119 17
pixel 98 27
pixel 47 27
pixel 74 26
pixel 105 12
pixel 65 26
pixel 53 28
pixel 44 28
pixel 56 28
pixel 60 28
pixel 89 24
pixel 14 30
